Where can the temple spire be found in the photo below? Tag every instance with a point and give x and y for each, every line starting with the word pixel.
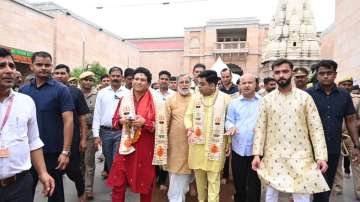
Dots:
pixel 292 35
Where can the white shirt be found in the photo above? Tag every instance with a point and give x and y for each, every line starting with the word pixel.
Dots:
pixel 106 102
pixel 20 134
pixel 164 96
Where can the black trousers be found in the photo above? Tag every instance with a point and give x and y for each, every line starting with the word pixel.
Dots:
pixel 19 191
pixel 329 176
pixel 73 170
pixel 226 168
pixel 105 167
pixel 51 162
pixel 246 181
pixel 161 175
pixel 347 164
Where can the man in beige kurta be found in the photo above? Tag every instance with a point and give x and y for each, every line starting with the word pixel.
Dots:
pixel 290 138
pixel 208 146
pixel 178 148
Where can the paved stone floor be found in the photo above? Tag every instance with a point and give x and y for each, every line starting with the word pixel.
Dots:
pixel 103 194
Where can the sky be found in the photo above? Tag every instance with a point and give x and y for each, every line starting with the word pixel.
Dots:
pixel 151 18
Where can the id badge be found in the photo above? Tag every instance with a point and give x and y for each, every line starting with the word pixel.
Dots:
pixel 4 151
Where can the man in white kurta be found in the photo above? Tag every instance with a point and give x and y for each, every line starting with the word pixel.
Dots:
pixel 290 138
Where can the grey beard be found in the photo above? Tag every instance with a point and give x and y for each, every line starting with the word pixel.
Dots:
pixel 182 92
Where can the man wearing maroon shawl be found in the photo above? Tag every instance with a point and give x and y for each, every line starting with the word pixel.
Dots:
pixel 135 169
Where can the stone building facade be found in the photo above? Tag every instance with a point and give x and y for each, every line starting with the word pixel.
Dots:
pixel 347 38
pixel 237 41
pixel 166 53
pixel 75 41
pixel 80 42
pixel 341 40
pixel 24 30
pixel 327 39
pixel 70 39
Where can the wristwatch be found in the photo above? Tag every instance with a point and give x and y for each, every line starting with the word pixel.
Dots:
pixel 66 153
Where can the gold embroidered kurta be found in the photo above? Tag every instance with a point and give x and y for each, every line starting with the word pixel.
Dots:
pixel 198 153
pixel 290 137
pixel 178 148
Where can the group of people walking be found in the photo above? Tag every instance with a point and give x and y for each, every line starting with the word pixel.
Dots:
pixel 193 129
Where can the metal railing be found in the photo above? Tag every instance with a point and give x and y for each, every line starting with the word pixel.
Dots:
pixel 231 47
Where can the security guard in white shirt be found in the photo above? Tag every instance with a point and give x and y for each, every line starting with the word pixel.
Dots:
pixel 20 145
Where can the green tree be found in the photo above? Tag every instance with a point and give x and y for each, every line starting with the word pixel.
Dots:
pixel 95 67
pixel 77 71
pixel 98 70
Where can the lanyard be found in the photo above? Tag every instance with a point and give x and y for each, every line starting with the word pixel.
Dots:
pixel 8 110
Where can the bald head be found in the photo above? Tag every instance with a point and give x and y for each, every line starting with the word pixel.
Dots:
pixel 248 85
pixel 248 76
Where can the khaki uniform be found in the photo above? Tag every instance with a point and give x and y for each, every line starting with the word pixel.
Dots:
pixel 89 159
pixel 347 142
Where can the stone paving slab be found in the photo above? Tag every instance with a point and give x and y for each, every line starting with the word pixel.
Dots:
pixel 103 194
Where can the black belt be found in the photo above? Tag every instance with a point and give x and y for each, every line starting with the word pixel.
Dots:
pixel 109 128
pixel 10 180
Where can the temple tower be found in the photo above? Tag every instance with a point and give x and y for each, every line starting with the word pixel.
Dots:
pixel 292 35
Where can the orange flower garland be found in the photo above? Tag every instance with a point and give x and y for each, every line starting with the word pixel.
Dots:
pixel 198 132
pixel 160 151
pixel 214 149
